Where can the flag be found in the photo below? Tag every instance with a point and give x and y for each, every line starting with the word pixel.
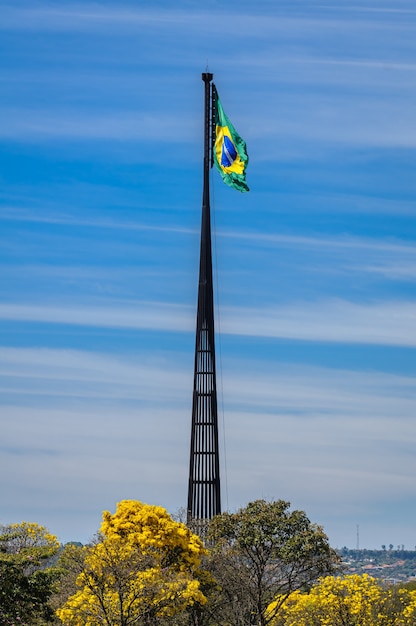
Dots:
pixel 230 153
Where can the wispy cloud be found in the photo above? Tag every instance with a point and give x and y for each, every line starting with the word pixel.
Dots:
pixel 332 121
pixel 30 124
pixel 334 242
pixel 297 393
pixel 337 320
pixel 331 320
pixel 102 376
pixel 26 215
pixel 358 8
pixel 338 243
pixel 74 16
pixel 146 315
pixel 336 119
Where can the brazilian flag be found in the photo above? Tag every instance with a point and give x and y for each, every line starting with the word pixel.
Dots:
pixel 230 152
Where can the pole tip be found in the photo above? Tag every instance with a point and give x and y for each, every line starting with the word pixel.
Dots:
pixel 207 77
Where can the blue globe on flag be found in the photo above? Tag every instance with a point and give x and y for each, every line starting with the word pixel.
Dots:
pixel 228 153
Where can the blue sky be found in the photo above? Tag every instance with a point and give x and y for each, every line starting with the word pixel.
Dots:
pixel 101 146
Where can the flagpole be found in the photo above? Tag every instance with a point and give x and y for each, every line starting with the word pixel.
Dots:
pixel 207 78
pixel 204 498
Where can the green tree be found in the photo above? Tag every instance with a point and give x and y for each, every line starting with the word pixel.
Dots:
pixel 142 568
pixel 263 551
pixel 26 580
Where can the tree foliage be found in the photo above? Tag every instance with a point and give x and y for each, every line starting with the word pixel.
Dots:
pixel 352 600
pixel 26 581
pixel 264 551
pixel 68 567
pixel 143 566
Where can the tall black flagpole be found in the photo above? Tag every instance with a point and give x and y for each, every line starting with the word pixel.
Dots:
pixel 204 493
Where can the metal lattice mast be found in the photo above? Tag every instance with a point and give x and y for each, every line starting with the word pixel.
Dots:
pixel 204 497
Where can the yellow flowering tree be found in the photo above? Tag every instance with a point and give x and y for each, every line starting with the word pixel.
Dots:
pixel 142 567
pixel 409 610
pixel 355 600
